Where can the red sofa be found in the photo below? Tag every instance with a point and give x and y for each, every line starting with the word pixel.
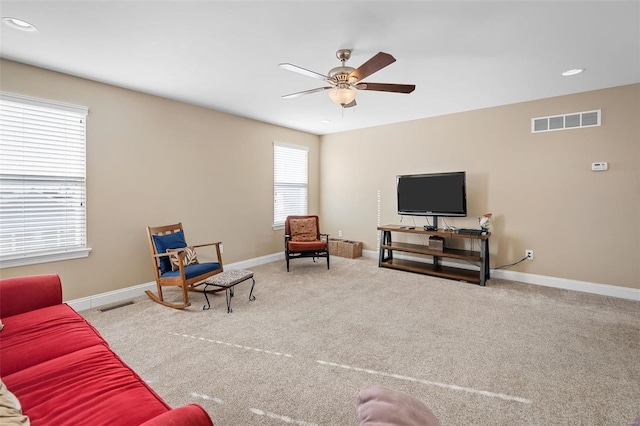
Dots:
pixel 64 373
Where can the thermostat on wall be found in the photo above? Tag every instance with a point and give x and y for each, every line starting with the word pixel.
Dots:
pixel 599 167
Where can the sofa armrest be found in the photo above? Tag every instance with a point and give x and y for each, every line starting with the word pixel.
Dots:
pixel 24 294
pixel 189 415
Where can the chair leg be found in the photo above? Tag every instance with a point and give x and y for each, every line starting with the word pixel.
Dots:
pixel 185 295
pixel 286 255
pixel 327 260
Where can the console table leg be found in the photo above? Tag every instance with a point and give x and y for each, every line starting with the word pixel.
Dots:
pixel 385 238
pixel 486 254
pixel 483 262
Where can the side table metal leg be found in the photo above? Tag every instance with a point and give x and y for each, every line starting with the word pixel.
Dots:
pixel 208 305
pixel 229 310
pixel 251 296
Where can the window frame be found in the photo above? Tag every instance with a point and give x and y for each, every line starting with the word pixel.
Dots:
pixel 277 225
pixel 76 176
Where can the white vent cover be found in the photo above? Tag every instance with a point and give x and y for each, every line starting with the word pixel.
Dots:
pixel 574 120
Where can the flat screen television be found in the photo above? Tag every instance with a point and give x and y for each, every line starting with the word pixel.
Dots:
pixel 434 194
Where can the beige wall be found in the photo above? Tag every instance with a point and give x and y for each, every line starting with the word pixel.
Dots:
pixel 582 225
pixel 153 161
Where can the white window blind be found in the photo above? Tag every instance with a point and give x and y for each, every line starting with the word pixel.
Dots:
pixel 290 182
pixel 42 180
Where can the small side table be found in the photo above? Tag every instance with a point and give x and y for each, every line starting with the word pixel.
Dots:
pixel 228 280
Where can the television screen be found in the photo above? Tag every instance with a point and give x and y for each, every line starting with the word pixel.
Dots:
pixel 435 194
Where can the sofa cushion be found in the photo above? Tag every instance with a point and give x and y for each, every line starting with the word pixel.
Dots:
pixel 91 386
pixel 37 336
pixel 10 409
pixel 381 406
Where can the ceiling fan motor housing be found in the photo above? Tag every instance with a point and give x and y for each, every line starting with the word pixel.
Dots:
pixel 340 74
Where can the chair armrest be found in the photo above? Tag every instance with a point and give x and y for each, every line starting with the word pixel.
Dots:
pixel 217 247
pixel 24 294
pixel 162 254
pixel 325 235
pixel 189 415
pixel 207 244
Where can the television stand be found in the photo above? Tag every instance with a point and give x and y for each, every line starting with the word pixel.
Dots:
pixel 387 247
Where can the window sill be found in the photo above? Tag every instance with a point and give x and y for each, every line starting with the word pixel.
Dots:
pixel 278 227
pixel 33 259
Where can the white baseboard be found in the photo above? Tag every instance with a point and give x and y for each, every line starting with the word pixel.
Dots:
pixel 247 264
pixel 116 296
pixel 543 280
pixel 109 297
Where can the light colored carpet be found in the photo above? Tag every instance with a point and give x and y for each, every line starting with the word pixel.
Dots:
pixel 505 354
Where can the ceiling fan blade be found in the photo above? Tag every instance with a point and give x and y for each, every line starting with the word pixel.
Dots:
pixel 350 104
pixel 306 92
pixel 386 87
pixel 303 71
pixel 379 61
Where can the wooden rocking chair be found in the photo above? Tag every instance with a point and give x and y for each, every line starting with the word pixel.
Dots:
pixel 175 263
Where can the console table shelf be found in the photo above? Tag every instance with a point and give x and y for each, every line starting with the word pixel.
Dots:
pixel 387 247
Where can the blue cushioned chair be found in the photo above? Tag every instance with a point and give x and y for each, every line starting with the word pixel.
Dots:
pixel 167 241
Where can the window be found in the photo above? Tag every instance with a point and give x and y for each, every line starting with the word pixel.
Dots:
pixel 42 181
pixel 290 182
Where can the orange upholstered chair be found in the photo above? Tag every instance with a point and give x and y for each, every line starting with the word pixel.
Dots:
pixel 303 239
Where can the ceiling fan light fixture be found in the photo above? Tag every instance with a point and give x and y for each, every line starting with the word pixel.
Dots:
pixel 342 96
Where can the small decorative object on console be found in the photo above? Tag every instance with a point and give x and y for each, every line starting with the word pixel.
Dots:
pixel 485 221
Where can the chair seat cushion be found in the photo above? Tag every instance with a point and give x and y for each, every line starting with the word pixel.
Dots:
pixel 192 271
pixel 316 245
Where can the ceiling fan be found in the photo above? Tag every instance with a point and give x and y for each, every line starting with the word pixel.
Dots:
pixel 345 80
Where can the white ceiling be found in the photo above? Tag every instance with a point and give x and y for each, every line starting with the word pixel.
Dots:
pixel 461 55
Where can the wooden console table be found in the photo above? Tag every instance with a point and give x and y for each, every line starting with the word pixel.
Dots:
pixel 387 247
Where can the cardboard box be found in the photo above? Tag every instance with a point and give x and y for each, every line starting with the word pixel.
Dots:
pixel 345 248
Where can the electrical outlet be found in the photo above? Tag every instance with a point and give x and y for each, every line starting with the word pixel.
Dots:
pixel 528 254
pixel 340 234
pixel 221 249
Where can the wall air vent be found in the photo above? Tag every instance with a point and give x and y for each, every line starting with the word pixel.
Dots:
pixel 574 120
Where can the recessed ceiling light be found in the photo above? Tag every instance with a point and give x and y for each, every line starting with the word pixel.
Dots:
pixel 19 24
pixel 574 71
pixel 325 121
